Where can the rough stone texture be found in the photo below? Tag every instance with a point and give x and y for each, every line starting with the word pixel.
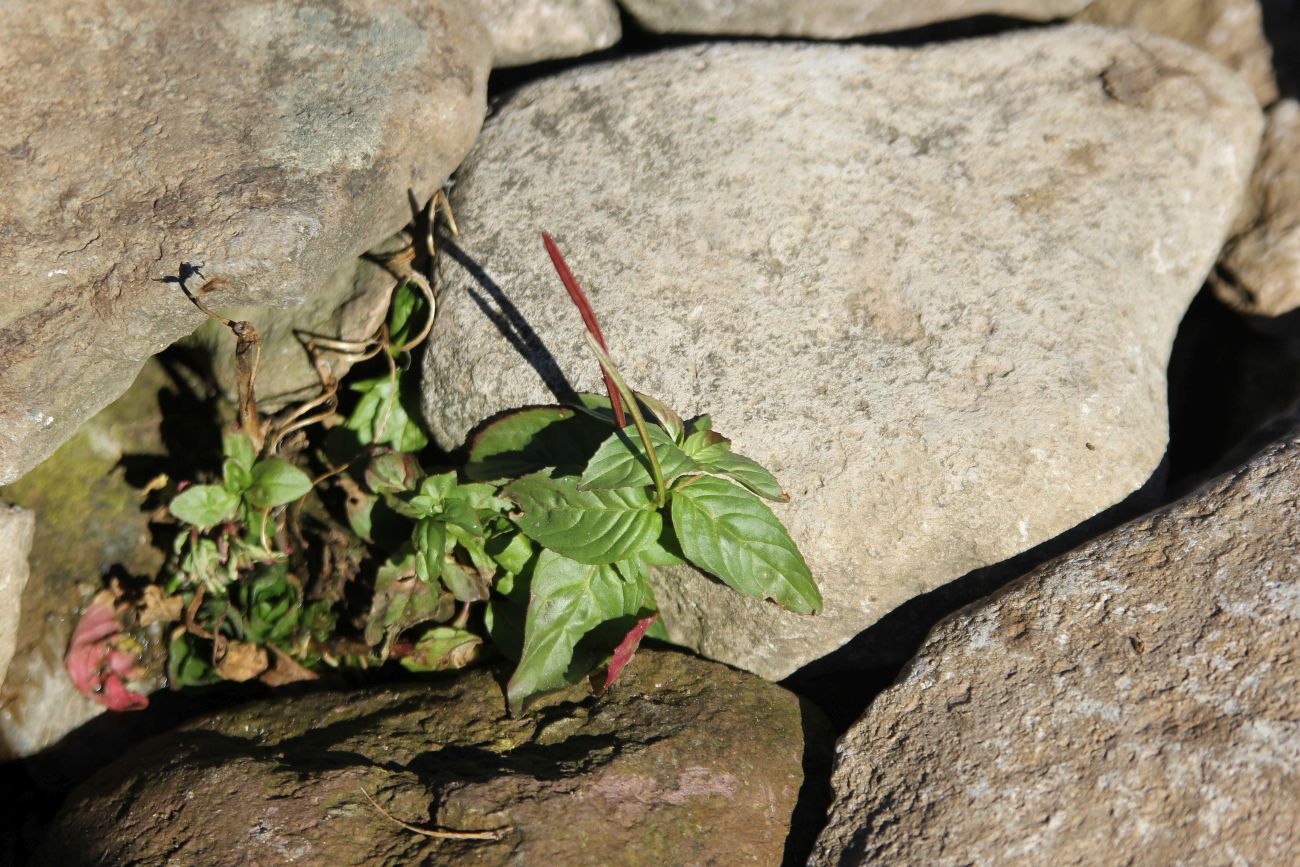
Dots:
pixel 88 520
pixel 683 762
pixel 934 290
pixel 350 305
pixel 16 527
pixel 273 141
pixel 827 19
pixel 528 31
pixel 1136 701
pixel 1260 269
pixel 1230 30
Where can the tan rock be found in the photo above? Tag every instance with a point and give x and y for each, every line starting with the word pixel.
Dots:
pixel 1230 30
pixel 274 142
pixel 827 19
pixel 1259 272
pixel 16 528
pixel 529 31
pixel 683 762
pixel 934 290
pixel 1135 701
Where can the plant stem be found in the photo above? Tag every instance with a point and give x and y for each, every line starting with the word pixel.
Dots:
pixel 611 372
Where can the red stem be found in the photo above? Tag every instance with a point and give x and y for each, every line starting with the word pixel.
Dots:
pixel 580 301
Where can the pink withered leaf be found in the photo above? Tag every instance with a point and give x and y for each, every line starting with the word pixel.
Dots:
pixel 96 661
pixel 623 653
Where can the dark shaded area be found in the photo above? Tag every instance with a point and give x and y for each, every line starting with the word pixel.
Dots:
pixel 815 795
pixel 1282 30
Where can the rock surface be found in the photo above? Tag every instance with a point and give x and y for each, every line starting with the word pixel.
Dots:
pixel 16 528
pixel 653 773
pixel 934 290
pixel 1230 30
pixel 1260 271
pixel 1139 695
pixel 273 141
pixel 350 305
pixel 536 30
pixel 88 521
pixel 827 19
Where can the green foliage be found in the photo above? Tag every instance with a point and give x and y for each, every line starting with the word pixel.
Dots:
pixel 552 530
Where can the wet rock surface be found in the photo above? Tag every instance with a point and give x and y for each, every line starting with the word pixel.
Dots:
pixel 1137 695
pixel 271 142
pixel 1005 228
pixel 683 762
pixel 88 524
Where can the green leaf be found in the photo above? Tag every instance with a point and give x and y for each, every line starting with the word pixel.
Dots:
pixel 380 416
pixel 188 661
pixel 271 604
pixel 511 551
pixel 235 476
pixel 276 482
pixel 667 417
pixel 713 452
pixel 442 648
pixel 593 527
pixel 236 446
pixel 534 439
pixel 569 600
pixel 430 541
pixel 204 505
pixel 467 585
pixel 406 314
pixel 727 531
pixel 401 601
pixel 621 460
pixel 392 472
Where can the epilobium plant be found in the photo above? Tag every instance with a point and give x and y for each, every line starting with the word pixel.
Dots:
pixel 543 543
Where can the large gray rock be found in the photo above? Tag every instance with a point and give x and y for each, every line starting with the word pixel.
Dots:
pixel 653 773
pixel 1260 271
pixel 273 141
pixel 934 290
pixel 1136 701
pixel 528 31
pixel 827 19
pixel 16 528
pixel 1230 30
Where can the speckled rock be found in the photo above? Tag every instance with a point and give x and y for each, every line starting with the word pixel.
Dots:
pixel 1230 30
pixel 528 31
pixel 16 527
pixel 88 520
pixel 274 141
pixel 350 305
pixel 827 19
pixel 683 762
pixel 944 325
pixel 1260 269
pixel 1136 701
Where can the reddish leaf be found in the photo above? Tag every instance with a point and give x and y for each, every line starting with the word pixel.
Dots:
pixel 627 647
pixel 588 318
pixel 96 662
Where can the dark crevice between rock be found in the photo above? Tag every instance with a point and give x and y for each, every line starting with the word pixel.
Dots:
pixel 637 41
pixel 1282 30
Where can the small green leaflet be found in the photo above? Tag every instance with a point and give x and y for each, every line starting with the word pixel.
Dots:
pixel 276 482
pixel 727 531
pixel 204 505
pixel 533 439
pixel 406 314
pixel 381 418
pixel 594 527
pixel 569 600
pixel 442 648
pixel 713 453
pixel 621 460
